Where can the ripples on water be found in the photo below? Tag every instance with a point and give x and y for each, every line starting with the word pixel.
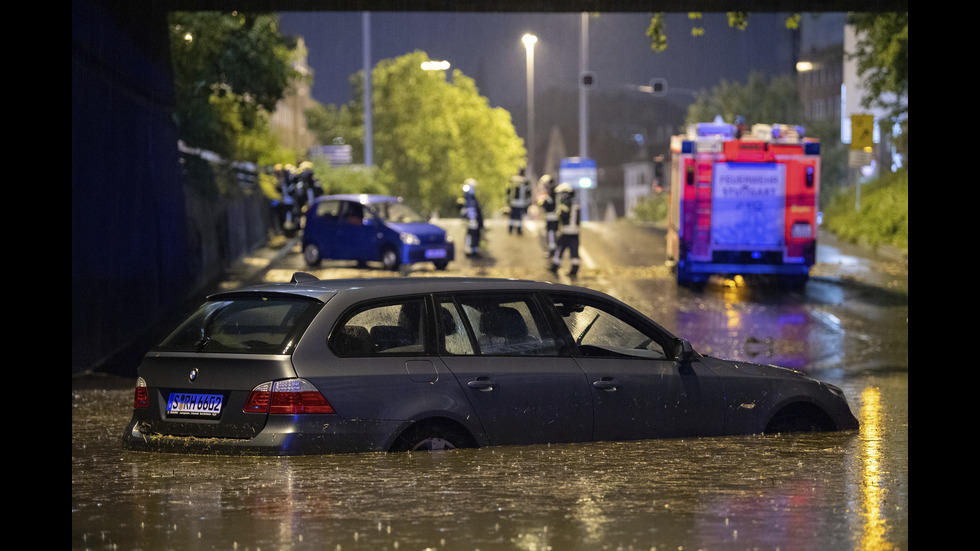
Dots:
pixel 810 491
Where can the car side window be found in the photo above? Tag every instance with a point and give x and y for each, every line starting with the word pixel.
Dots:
pixel 329 210
pixel 453 337
pixel 507 326
pixel 353 213
pixel 601 330
pixel 382 329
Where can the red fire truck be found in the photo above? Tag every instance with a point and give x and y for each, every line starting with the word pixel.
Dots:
pixel 743 204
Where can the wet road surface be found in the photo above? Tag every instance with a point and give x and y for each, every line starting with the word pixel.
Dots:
pixel 810 491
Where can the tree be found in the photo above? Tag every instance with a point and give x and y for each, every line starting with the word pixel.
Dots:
pixel 882 55
pixel 230 69
pixel 337 126
pixel 430 134
pixel 756 101
pixel 657 31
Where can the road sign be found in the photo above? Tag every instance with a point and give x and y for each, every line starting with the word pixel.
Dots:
pixel 578 172
pixel 862 131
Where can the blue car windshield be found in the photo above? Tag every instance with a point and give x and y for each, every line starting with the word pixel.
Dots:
pixel 397 213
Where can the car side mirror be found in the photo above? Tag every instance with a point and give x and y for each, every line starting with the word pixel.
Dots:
pixel 682 350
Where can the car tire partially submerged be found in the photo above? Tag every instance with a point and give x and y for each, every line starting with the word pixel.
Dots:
pixel 432 436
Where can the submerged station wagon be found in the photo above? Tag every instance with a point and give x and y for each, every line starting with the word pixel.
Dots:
pixel 394 364
pixel 372 228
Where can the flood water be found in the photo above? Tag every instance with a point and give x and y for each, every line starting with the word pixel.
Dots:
pixel 823 491
pixel 808 491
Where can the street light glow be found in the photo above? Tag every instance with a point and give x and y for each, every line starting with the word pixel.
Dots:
pixel 529 40
pixel 435 65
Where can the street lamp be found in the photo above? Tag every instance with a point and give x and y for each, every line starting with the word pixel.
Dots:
pixel 529 41
pixel 435 65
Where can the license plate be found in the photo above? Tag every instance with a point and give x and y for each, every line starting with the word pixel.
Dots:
pixel 194 405
pixel 801 230
pixel 435 253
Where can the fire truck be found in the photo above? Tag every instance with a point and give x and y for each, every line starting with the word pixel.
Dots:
pixel 743 204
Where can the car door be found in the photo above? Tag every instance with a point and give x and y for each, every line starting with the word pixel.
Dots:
pixel 506 360
pixel 380 368
pixel 639 392
pixel 358 232
pixel 322 226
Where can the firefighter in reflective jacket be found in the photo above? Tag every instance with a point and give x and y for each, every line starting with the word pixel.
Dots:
pixel 569 217
pixel 549 204
pixel 473 215
pixel 518 199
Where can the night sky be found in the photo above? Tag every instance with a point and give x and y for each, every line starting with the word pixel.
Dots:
pixel 487 47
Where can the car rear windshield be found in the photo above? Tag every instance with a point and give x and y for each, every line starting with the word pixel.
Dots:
pixel 248 325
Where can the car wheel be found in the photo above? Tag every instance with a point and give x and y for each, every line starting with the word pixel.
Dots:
pixel 389 258
pixel 311 254
pixel 799 418
pixel 431 437
pixel 441 264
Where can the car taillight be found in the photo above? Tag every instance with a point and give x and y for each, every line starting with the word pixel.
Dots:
pixel 290 396
pixel 142 399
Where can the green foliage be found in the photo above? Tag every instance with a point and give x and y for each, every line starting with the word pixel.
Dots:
pixel 652 208
pixel 738 20
pixel 430 134
pixel 883 217
pixel 348 179
pixel 334 125
pixel 230 69
pixel 882 55
pixel 757 101
pixel 657 32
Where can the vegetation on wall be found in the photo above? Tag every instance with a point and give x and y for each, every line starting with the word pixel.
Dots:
pixel 880 217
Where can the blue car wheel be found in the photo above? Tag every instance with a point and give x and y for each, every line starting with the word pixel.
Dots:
pixel 389 258
pixel 311 254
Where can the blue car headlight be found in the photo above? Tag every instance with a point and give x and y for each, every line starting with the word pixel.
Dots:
pixel 410 238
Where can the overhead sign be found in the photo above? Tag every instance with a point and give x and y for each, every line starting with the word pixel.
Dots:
pixel 337 155
pixel 578 172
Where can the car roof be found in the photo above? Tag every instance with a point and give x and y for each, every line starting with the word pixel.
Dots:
pixel 307 285
pixel 362 198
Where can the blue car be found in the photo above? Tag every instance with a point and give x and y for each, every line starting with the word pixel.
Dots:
pixel 372 228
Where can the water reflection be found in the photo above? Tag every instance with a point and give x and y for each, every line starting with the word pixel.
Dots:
pixel 875 529
pixel 761 324
pixel 810 491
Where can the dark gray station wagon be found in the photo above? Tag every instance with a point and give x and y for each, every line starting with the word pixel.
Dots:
pixel 396 364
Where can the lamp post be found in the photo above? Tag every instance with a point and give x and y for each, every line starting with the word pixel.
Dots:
pixel 529 40
pixel 368 108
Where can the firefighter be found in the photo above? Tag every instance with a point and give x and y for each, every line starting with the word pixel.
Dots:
pixel 473 214
pixel 548 203
pixel 569 218
pixel 281 205
pixel 518 199
pixel 291 220
pixel 308 186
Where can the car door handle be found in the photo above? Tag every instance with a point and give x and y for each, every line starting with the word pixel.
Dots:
pixel 606 383
pixel 483 384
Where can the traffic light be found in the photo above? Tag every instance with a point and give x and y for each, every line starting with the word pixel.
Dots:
pixel 659 86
